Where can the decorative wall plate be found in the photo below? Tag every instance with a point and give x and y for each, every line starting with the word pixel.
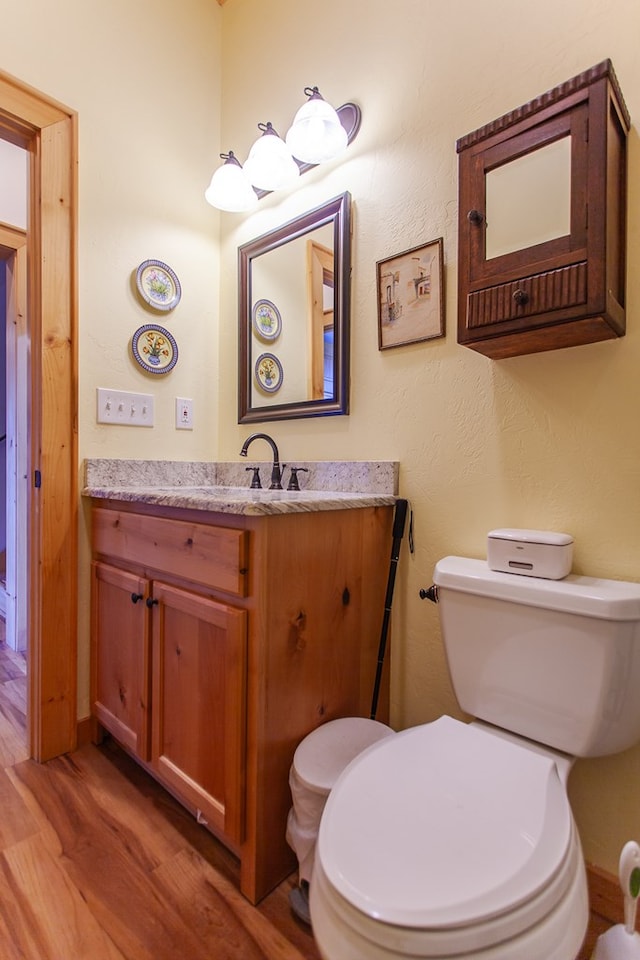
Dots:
pixel 158 285
pixel 269 372
pixel 267 321
pixel 154 349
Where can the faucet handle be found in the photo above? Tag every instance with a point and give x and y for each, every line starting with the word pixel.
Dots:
pixel 293 479
pixel 255 479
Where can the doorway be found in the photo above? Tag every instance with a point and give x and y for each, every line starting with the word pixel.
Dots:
pixel 14 438
pixel 48 132
pixel 13 393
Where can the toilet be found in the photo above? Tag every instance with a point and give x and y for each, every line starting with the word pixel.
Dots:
pixel 456 839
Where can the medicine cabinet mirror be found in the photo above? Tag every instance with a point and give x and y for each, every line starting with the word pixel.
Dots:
pixel 542 226
pixel 294 304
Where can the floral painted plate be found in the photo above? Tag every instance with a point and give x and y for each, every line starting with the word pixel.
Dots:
pixel 154 349
pixel 267 321
pixel 158 285
pixel 269 373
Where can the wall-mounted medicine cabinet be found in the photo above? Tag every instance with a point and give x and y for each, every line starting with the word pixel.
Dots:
pixel 541 232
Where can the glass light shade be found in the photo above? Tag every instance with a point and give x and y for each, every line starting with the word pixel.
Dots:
pixel 316 134
pixel 230 188
pixel 270 165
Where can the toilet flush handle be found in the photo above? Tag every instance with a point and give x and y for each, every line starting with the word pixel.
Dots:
pixel 431 593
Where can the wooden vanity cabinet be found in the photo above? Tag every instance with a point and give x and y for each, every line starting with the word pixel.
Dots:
pixel 559 283
pixel 220 641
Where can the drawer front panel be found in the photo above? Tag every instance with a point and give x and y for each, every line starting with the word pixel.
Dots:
pixel 213 556
pixel 544 292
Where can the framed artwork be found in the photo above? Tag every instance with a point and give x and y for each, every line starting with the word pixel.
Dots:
pixel 410 296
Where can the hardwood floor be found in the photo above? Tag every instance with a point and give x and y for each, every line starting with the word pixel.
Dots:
pixel 97 862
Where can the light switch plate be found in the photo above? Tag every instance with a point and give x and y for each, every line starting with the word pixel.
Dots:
pixel 125 409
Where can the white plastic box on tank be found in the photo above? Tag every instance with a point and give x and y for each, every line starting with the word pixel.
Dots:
pixel 530 553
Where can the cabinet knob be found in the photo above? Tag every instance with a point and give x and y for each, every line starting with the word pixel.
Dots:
pixel 152 602
pixel 475 217
pixel 521 297
pixel 135 597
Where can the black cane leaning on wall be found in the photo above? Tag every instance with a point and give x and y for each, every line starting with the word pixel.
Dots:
pixel 398 533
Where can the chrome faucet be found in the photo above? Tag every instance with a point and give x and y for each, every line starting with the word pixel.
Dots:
pixel 276 469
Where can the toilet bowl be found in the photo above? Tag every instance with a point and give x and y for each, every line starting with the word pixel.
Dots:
pixel 449 840
pixel 457 840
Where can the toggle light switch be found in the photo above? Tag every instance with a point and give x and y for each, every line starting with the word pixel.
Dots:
pixel 125 409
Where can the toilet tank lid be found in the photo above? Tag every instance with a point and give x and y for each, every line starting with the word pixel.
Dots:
pixel 589 596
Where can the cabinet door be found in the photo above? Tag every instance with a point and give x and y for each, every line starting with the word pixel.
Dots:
pixel 120 661
pixel 199 704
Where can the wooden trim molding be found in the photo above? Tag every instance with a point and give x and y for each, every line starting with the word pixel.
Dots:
pixel 605 896
pixel 48 131
pixel 84 733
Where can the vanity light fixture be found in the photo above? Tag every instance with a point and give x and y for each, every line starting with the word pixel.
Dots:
pixel 230 188
pixel 270 165
pixel 318 134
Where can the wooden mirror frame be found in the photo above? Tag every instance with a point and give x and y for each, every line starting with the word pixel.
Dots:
pixel 338 212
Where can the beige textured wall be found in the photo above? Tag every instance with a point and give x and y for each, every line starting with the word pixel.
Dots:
pixel 13 185
pixel 144 78
pixel 548 441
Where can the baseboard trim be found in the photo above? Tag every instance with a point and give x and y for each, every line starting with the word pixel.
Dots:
pixel 605 895
pixel 83 731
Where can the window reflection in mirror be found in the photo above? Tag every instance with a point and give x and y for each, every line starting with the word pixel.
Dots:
pixel 528 200
pixel 302 272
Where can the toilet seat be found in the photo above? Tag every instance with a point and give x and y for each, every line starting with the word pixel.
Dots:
pixel 449 829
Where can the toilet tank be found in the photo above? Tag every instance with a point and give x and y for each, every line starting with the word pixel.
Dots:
pixel 557 661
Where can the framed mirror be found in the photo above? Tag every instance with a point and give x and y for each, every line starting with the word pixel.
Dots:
pixel 294 305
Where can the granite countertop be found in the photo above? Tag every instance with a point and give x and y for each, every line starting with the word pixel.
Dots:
pixel 224 487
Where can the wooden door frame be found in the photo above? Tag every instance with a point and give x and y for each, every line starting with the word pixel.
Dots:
pixel 48 131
